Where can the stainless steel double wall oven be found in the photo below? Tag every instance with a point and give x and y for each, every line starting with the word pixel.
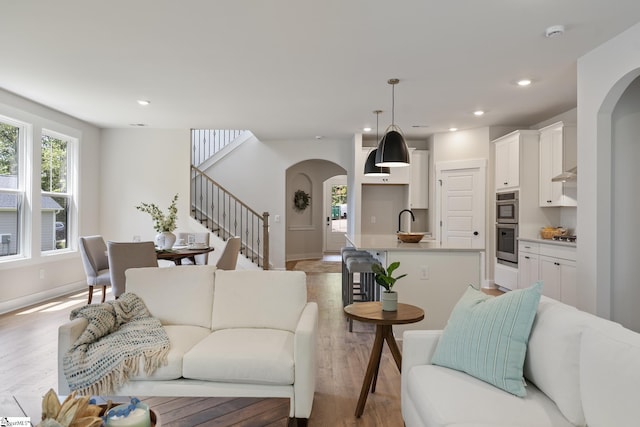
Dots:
pixel 507 228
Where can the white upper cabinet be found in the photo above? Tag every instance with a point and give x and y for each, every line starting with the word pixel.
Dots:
pixel 558 150
pixel 401 175
pixel 508 162
pixel 419 187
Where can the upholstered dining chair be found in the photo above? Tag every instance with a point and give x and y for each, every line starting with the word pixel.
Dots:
pixel 200 238
pixel 93 251
pixel 125 255
pixel 229 257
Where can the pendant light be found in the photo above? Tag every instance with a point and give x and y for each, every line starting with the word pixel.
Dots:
pixel 392 150
pixel 370 168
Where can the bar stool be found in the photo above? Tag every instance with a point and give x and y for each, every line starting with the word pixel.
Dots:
pixel 368 285
pixel 346 253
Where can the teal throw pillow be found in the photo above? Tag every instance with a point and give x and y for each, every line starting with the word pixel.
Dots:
pixel 487 336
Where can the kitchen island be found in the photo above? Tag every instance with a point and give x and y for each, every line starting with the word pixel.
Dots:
pixel 437 275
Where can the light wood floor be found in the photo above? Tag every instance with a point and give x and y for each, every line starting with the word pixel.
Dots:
pixel 28 352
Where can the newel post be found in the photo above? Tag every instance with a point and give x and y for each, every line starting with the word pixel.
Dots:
pixel 265 243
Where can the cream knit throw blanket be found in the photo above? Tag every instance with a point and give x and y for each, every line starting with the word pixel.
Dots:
pixel 120 335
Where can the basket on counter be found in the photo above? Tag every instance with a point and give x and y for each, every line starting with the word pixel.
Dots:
pixel 550 232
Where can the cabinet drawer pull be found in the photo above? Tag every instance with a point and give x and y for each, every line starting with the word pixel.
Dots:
pixel 556 263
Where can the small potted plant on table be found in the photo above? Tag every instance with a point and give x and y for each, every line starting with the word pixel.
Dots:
pixel 385 279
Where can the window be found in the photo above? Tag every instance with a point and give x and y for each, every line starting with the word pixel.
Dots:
pixel 36 215
pixel 55 183
pixel 11 187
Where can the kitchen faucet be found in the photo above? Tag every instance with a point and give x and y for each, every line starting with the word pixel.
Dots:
pixel 413 218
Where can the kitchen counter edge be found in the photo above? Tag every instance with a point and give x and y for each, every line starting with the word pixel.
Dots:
pixel 547 241
pixel 390 242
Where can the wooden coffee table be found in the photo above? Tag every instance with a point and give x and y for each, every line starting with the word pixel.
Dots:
pixel 371 312
pixel 179 411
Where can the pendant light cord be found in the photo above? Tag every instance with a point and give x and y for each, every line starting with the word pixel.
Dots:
pixel 393 104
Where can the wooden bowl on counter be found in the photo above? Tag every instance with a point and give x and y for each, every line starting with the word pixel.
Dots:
pixel 410 237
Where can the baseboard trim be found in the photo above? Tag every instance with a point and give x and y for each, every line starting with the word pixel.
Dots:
pixel 28 300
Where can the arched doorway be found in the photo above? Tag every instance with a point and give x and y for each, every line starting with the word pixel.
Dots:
pixel 305 228
pixel 625 205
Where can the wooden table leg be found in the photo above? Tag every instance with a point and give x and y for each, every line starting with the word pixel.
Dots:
pixel 393 346
pixel 375 376
pixel 372 368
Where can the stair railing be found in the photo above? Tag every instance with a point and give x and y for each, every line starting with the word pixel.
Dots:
pixel 225 215
pixel 207 142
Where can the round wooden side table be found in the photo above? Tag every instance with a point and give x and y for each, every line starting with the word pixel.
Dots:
pixel 371 312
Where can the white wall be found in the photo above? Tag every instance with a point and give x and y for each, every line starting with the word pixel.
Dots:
pixel 142 165
pixel 20 281
pixel 603 75
pixel 625 233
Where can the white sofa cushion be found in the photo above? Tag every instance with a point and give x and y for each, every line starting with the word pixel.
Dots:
pixel 182 339
pixel 164 289
pixel 610 400
pixel 446 397
pixel 553 355
pixel 248 299
pixel 253 356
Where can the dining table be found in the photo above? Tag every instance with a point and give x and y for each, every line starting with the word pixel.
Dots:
pixel 178 253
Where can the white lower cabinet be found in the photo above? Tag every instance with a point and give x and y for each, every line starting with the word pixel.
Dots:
pixel 554 265
pixel 559 279
pixel 528 265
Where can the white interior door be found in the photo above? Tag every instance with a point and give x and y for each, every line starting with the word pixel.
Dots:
pixel 462 205
pixel 336 213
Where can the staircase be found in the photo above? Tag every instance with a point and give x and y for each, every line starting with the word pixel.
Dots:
pixel 218 209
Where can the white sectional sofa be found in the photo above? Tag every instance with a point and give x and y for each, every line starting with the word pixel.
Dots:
pixel 232 333
pixel 580 370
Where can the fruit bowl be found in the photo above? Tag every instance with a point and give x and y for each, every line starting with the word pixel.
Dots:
pixel 410 237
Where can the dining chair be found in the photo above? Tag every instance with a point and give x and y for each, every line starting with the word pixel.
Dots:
pixel 93 251
pixel 126 255
pixel 229 257
pixel 200 238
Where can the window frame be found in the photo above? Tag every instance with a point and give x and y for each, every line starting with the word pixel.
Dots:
pixel 70 194
pixel 23 215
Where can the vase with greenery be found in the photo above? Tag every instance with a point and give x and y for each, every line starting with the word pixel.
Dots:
pixel 385 279
pixel 163 224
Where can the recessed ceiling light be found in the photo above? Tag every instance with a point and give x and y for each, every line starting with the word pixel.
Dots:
pixel 139 125
pixel 478 113
pixel 453 129
pixel 143 102
pixel 524 82
pixel 319 136
pixel 367 129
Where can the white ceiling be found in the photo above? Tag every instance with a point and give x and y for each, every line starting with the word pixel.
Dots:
pixel 295 69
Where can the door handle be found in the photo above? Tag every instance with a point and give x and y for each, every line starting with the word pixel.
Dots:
pixel 328 221
pixel 475 233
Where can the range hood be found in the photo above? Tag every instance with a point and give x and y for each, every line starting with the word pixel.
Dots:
pixel 568 176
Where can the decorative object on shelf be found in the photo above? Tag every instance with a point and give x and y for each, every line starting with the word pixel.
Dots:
pixel 301 200
pixel 81 412
pixel 163 224
pixel 370 168
pixel 392 149
pixel 385 279
pixel 551 232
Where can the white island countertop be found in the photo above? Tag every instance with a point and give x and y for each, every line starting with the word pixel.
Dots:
pixel 390 242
